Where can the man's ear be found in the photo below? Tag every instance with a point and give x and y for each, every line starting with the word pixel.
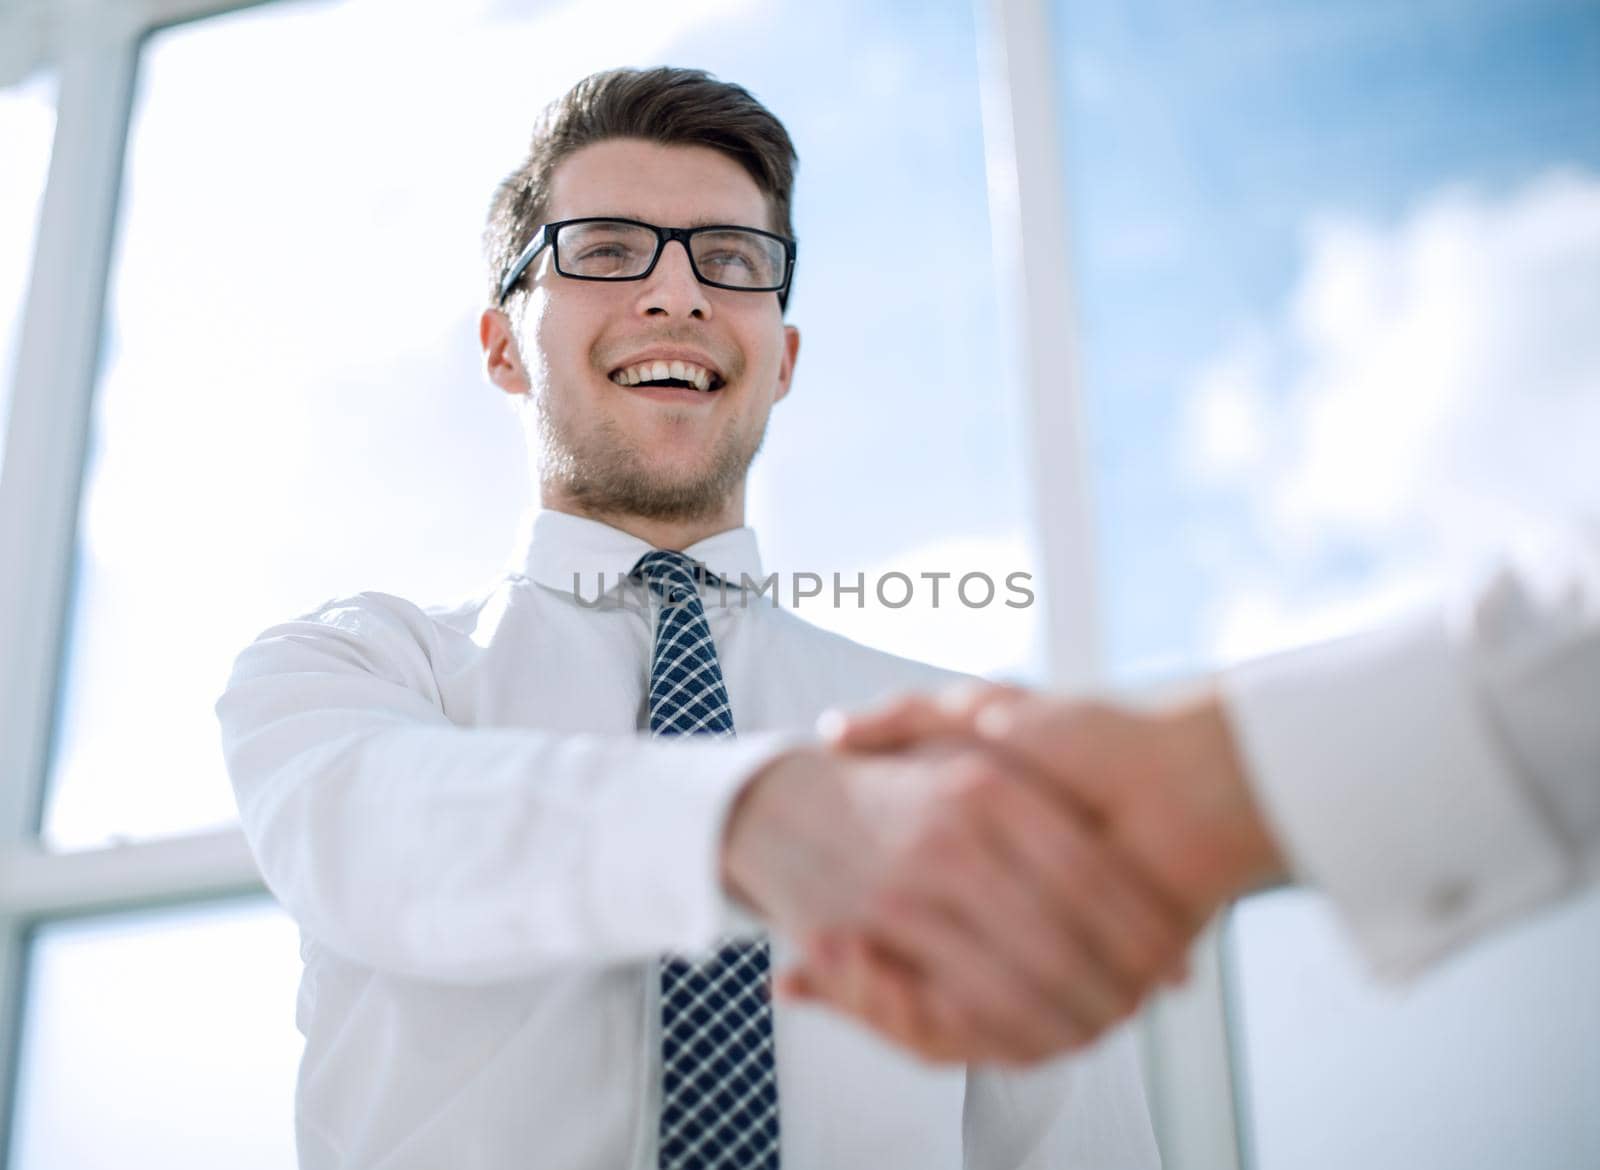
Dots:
pixel 791 354
pixel 502 362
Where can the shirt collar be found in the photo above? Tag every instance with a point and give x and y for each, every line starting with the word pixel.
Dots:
pixel 556 548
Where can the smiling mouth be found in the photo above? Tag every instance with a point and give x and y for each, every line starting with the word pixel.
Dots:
pixel 669 376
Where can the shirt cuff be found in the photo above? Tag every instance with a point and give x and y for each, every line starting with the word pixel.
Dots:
pixel 665 867
pixel 1373 761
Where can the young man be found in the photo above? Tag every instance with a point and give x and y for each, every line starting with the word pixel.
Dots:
pixel 526 927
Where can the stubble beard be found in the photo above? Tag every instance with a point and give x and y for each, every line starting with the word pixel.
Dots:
pixel 602 474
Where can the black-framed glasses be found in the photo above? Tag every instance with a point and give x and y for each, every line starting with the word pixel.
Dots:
pixel 745 259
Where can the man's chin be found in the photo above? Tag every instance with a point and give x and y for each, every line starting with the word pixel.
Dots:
pixel 664 494
pixel 662 476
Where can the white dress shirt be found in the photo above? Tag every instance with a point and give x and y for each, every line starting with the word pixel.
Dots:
pixel 486 858
pixel 1442 775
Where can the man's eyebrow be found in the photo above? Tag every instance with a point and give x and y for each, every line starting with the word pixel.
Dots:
pixel 697 221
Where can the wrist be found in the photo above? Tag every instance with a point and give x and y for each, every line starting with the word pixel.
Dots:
pixel 1211 767
pixel 754 835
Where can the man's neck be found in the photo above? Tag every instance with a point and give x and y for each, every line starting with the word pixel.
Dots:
pixel 671 534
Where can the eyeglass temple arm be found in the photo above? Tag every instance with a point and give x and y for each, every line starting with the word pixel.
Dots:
pixel 516 270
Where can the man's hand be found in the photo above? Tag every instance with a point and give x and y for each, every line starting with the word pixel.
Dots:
pixel 1166 789
pixel 1004 928
pixel 1168 785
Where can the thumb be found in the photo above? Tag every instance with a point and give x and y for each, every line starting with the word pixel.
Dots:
pixel 900 724
pixel 1060 739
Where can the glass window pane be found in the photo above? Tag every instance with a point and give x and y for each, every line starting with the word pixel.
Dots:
pixel 160 1039
pixel 900 449
pixel 292 408
pixel 1338 266
pixel 1490 1063
pixel 27 133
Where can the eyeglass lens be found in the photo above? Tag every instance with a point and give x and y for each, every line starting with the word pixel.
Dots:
pixel 612 250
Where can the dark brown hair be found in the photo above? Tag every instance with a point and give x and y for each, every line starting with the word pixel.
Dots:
pixel 674 107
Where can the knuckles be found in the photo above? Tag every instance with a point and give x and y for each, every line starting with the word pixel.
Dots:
pixel 976 782
pixel 944 843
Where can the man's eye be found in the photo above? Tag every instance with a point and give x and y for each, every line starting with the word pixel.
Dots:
pixel 726 260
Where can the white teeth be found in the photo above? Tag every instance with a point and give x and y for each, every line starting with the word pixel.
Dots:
pixel 655 371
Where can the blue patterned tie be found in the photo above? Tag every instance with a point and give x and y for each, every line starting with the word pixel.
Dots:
pixel 719 1089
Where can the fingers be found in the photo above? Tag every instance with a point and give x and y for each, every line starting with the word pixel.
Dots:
pixel 1050 922
pixel 911 719
pixel 996 1010
pixel 1005 921
pixel 954 958
pixel 977 904
pixel 905 721
pixel 1081 747
pixel 851 974
pixel 1123 768
pixel 1117 933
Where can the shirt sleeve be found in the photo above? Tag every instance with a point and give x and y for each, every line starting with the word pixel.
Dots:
pixel 413 845
pixel 1440 776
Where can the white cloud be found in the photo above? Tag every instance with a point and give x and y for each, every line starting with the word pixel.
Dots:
pixel 1227 431
pixel 1430 393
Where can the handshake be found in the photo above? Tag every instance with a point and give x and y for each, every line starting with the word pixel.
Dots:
pixel 995 874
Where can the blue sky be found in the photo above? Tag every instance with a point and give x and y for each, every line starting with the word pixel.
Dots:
pixel 1203 139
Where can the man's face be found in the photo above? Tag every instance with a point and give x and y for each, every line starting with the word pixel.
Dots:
pixel 614 449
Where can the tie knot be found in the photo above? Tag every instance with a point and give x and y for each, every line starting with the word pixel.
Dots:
pixel 672 576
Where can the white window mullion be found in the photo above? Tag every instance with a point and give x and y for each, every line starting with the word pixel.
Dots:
pixel 51 394
pixel 1028 221
pixel 1185 1034
pixel 1194 1075
pixel 94 46
pixel 50 410
pixel 36 883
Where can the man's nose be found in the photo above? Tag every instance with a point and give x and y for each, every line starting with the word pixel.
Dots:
pixel 672 288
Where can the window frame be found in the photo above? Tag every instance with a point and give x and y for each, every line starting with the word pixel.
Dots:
pixel 93 46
